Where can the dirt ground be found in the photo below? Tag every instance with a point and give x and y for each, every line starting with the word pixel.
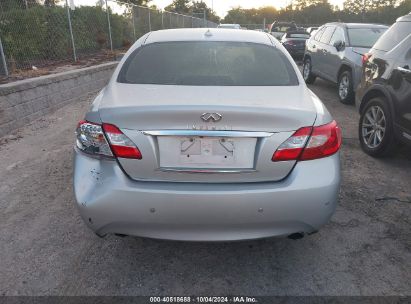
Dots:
pixel 47 250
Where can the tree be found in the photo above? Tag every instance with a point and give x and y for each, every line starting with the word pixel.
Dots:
pixel 15 4
pixel 198 7
pixel 179 6
pixel 138 2
pixel 50 3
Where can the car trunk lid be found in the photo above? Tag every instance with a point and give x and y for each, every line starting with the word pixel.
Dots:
pixel 168 126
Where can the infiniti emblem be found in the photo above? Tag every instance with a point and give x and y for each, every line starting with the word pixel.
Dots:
pixel 211 117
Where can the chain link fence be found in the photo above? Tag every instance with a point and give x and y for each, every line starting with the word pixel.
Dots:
pixel 37 35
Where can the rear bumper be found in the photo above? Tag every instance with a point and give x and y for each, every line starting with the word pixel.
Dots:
pixel 109 202
pixel 296 51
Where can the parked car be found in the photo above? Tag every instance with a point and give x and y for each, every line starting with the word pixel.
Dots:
pixel 278 29
pixel 208 140
pixel 294 42
pixel 229 26
pixel 335 53
pixel 311 29
pixel 384 94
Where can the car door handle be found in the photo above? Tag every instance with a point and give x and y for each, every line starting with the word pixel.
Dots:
pixel 404 70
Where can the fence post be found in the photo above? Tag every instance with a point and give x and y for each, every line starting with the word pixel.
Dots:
pixel 183 20
pixel 3 59
pixel 109 26
pixel 134 24
pixel 162 19
pixel 71 32
pixel 205 20
pixel 149 20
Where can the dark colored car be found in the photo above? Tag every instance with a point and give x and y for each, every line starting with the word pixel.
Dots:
pixel 278 29
pixel 384 94
pixel 294 42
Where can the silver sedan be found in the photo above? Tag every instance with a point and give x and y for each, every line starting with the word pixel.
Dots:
pixel 207 135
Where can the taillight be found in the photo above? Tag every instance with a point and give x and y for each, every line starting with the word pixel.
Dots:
pixel 120 144
pixel 91 139
pixel 310 143
pixel 106 140
pixel 292 147
pixel 365 57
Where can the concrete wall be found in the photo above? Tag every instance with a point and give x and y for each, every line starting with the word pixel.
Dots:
pixel 24 101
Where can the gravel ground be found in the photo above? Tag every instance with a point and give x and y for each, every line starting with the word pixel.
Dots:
pixel 47 250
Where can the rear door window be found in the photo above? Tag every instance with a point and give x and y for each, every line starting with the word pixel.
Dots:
pixel 304 36
pixel 393 36
pixel 364 37
pixel 337 36
pixel 326 36
pixel 208 63
pixel 317 36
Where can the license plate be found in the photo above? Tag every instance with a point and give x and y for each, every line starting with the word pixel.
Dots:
pixel 206 152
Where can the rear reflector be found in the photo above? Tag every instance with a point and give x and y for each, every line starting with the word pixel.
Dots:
pixel 120 144
pixel 310 143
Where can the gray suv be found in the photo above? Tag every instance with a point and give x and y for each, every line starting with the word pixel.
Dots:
pixel 335 53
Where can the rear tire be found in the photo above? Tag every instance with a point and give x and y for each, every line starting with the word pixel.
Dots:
pixel 345 88
pixel 308 75
pixel 376 129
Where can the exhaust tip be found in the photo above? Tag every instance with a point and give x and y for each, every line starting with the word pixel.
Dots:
pixel 296 236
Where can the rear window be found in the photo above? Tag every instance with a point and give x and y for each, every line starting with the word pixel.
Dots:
pixel 208 64
pixel 283 28
pixel 305 36
pixel 364 37
pixel 396 33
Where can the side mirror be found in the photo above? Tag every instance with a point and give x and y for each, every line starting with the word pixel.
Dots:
pixel 339 45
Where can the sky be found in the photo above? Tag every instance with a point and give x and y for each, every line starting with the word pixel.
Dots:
pixel 221 6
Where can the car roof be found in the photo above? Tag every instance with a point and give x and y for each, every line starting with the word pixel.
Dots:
pixel 358 25
pixel 404 18
pixel 208 34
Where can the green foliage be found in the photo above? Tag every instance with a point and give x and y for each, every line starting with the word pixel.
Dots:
pixel 195 8
pixel 40 34
pixel 179 6
pixel 138 2
pixel 320 11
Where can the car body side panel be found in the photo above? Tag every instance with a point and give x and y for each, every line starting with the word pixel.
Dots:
pixel 381 75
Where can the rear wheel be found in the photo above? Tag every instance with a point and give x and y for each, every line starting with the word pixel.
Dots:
pixel 345 88
pixel 376 131
pixel 309 77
